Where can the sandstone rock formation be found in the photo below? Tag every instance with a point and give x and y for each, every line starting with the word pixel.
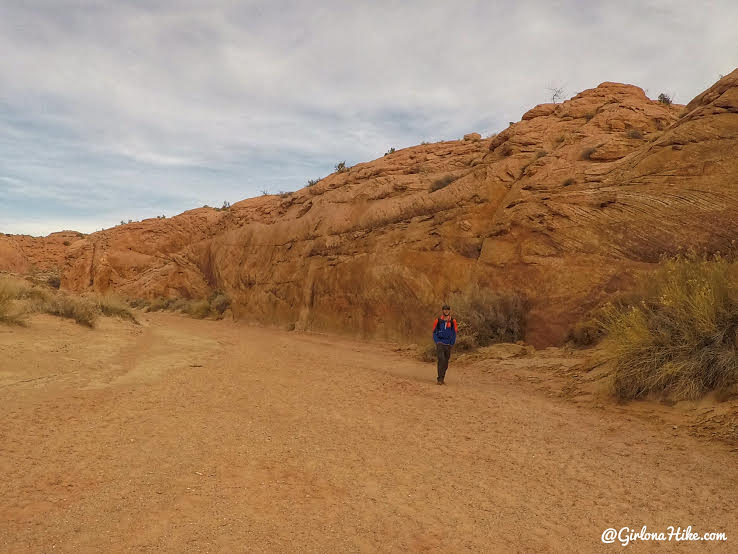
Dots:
pixel 562 206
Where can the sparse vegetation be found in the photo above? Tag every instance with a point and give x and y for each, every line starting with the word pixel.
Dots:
pixel 214 306
pixel 541 154
pixel 486 317
pixel 587 153
pixel 265 192
pixel 70 307
pixel 341 167
pixel 568 182
pixel 390 151
pixel 312 182
pixel 66 243
pixel 54 281
pixel 665 99
pixel 11 313
pixel 226 206
pixel 634 133
pixel 19 298
pixel 589 115
pixel 112 306
pixel 557 93
pixel 680 339
pixel 284 194
pixel 443 182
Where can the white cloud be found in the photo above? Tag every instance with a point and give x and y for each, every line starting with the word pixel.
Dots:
pixel 233 97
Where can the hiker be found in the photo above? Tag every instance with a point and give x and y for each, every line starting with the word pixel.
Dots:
pixel 444 335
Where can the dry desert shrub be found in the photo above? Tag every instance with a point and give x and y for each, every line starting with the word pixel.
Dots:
pixel 214 306
pixel 12 312
pixel 80 310
pixel 681 339
pixel 112 306
pixel 486 317
pixel 19 298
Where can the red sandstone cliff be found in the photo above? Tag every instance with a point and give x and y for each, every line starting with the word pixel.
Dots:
pixel 562 206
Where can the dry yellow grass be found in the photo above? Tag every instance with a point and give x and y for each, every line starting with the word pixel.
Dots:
pixel 680 340
pixel 19 298
pixel 11 311
pixel 200 308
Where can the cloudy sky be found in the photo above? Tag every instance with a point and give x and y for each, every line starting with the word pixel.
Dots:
pixel 113 110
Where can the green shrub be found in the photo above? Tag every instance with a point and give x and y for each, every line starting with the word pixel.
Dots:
pixel 665 99
pixel 680 339
pixel 390 151
pixel 341 167
pixel 312 182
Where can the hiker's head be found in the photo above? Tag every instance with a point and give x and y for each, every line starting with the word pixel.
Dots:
pixel 446 309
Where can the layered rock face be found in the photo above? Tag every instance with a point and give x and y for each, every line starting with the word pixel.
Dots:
pixel 563 206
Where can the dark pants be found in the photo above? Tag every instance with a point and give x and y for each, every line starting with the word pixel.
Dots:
pixel 444 355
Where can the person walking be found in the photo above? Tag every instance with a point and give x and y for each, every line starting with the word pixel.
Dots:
pixel 444 335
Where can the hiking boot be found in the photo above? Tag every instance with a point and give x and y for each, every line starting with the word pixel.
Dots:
pixel 439 382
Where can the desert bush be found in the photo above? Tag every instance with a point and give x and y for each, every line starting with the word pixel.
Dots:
pixel 138 303
pixel 199 309
pixel 443 182
pixel 11 312
pixel 112 306
pixel 214 306
pixel 161 303
pixel 664 99
pixel 589 115
pixel 312 182
pixel 427 353
pixel 341 167
pixel 226 206
pixel 219 303
pixel 70 307
pixel 486 317
pixel 66 243
pixel 587 153
pixel 680 339
pixel 390 151
pixel 634 133
pixel 54 281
